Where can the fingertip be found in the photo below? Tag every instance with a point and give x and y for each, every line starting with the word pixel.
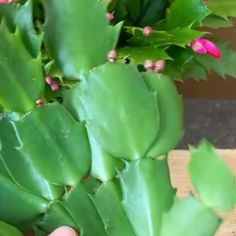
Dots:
pixel 64 231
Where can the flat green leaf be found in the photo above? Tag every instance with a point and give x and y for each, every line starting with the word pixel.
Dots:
pixel 21 78
pixel 185 12
pixel 223 8
pixel 153 12
pixel 113 216
pixel 58 153
pixel 17 206
pixel 82 210
pixel 6 229
pixel 171 113
pixel 223 67
pixel 78 47
pixel 139 55
pixel 189 217
pixel 56 216
pixel 212 179
pixel 133 9
pixel 21 17
pixel 180 36
pixel 104 166
pixel 194 70
pixel 213 21
pixel 107 100
pixel 147 194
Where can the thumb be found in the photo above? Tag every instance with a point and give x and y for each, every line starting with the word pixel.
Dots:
pixel 63 231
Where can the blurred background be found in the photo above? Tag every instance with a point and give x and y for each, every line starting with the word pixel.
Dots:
pixel 210 106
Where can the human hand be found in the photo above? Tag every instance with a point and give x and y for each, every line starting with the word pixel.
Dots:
pixel 63 231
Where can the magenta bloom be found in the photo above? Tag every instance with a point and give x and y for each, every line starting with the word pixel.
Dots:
pixel 204 46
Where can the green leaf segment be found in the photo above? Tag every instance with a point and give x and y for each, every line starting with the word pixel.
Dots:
pixel 97 159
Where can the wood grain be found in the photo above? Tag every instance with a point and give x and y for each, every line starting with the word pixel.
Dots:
pixel 178 162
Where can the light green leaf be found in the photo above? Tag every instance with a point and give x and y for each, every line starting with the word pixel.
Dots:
pixel 147 194
pixel 104 166
pixel 189 217
pixel 78 47
pixel 223 8
pixel 6 229
pixel 21 78
pixel 213 21
pixel 171 113
pixel 185 12
pixel 107 100
pixel 113 216
pixel 212 179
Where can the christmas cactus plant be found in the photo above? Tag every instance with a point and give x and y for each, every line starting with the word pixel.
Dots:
pixel 90 111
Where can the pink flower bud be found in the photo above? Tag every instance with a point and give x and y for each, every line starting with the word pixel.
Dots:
pixel 40 102
pixel 147 30
pixel 54 86
pixel 112 55
pixel 149 65
pixel 159 66
pixel 48 80
pixel 5 1
pixel 204 46
pixel 110 16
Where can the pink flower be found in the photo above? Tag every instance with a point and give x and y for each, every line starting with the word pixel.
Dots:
pixel 159 66
pixel 5 1
pixel 147 30
pixel 110 16
pixel 112 55
pixel 205 46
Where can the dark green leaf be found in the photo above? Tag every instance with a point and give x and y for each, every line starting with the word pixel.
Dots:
pixel 46 145
pixel 21 78
pixel 185 12
pixel 21 17
pixel 78 47
pixel 139 55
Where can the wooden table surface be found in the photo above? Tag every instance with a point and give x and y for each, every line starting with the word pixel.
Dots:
pixel 178 162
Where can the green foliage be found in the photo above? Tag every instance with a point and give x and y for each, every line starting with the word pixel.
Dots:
pixel 223 8
pixel 94 154
pixel 21 80
pixel 75 46
pixel 107 99
pixel 217 191
pixel 6 229
pixel 189 217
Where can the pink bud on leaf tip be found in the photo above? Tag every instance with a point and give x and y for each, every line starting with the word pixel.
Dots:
pixel 147 30
pixel 48 80
pixel 205 46
pixel 54 86
pixel 159 66
pixel 110 16
pixel 149 65
pixel 112 55
pixel 5 1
